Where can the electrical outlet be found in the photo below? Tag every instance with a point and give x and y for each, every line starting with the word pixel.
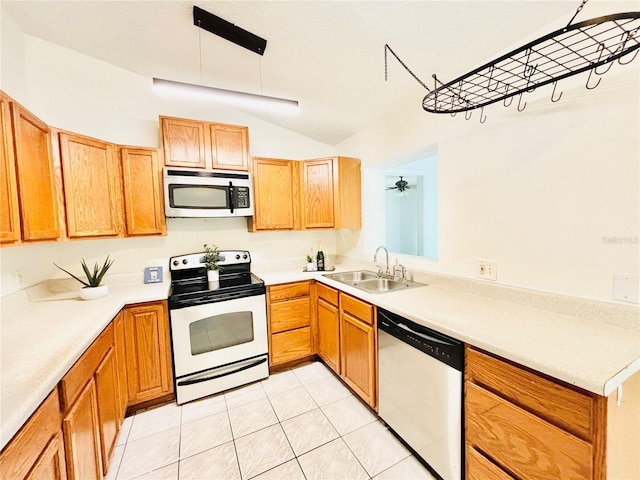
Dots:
pixel 487 270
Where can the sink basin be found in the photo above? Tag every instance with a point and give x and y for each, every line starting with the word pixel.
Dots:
pixel 369 281
pixel 350 277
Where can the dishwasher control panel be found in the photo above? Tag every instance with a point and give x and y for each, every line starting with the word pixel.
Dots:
pixel 435 344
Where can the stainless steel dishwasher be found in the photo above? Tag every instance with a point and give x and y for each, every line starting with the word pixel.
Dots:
pixel 420 390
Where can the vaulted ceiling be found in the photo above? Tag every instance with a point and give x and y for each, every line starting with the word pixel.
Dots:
pixel 328 55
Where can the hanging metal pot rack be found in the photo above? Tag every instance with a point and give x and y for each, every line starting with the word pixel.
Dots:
pixel 585 46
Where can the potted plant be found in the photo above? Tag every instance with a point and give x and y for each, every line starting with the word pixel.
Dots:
pixel 310 264
pixel 92 288
pixel 211 258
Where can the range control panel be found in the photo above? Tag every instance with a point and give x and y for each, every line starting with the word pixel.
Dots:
pixel 196 260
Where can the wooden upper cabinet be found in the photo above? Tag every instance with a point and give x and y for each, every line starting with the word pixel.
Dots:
pixel 93 186
pixel 317 191
pixel 9 214
pixel 275 194
pixel 143 200
pixel 37 191
pixel 229 146
pixel 183 142
pixel 200 144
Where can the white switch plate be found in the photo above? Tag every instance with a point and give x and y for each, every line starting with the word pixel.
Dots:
pixel 487 269
pixel 626 288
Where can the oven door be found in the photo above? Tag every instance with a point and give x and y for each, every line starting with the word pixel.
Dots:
pixel 214 334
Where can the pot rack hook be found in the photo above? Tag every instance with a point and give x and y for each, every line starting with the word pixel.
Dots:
pixel 490 78
pixel 628 34
pixel 599 57
pixel 520 103
pixel 589 78
pixel 506 91
pixel 470 112
pixel 554 100
pixel 482 120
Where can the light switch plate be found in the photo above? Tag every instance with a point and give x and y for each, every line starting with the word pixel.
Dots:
pixel 153 275
pixel 626 288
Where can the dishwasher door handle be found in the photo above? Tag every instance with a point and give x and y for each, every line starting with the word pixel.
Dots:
pixel 408 329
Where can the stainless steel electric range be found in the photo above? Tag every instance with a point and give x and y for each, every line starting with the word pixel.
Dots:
pixel 218 328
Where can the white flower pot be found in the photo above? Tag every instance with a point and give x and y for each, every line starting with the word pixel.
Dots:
pixel 213 275
pixel 91 293
pixel 311 267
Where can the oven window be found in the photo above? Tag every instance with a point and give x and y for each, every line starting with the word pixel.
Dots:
pixel 199 196
pixel 220 331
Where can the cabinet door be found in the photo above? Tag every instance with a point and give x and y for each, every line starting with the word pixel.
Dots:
pixel 82 438
pixel 317 192
pixel 149 373
pixel 357 346
pixel 143 200
pixel 121 355
pixel 290 345
pixel 35 174
pixel 106 378
pixel 9 216
pixel 329 334
pixel 183 142
pixel 50 465
pixel 92 186
pixel 275 191
pixel 37 450
pixel 229 147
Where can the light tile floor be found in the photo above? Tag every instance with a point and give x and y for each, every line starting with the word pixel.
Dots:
pixel 301 423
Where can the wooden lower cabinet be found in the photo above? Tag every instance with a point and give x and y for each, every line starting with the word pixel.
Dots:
pixel 529 426
pixel 328 319
pixel 37 450
pixel 121 357
pixel 107 384
pixel 148 352
pixel 358 347
pixel 82 436
pixel 290 321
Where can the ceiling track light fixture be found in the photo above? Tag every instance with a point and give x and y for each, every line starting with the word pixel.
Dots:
pixel 218 26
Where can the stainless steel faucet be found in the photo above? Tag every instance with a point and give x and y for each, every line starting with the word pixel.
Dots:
pixel 375 259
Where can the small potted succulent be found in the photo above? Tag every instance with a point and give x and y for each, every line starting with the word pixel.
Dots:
pixel 310 265
pixel 92 285
pixel 211 259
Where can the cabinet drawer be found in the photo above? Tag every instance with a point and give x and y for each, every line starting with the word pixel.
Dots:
pixel 481 468
pixel 279 293
pixel 567 408
pixel 357 308
pixel 83 370
pixel 289 315
pixel 291 345
pixel 328 294
pixel 531 447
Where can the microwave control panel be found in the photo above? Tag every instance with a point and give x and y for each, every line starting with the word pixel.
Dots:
pixel 242 197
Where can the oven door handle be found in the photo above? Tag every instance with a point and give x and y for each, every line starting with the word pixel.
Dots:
pixel 213 377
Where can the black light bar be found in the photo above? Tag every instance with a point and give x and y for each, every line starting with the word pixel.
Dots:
pixel 229 31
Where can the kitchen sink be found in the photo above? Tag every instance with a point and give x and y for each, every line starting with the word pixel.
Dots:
pixel 370 282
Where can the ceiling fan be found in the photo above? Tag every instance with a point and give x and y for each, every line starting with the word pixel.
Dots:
pixel 401 185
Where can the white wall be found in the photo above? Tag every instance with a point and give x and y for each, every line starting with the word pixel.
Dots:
pixel 540 191
pixel 78 93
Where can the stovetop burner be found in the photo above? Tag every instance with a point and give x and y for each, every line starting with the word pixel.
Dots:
pixel 189 284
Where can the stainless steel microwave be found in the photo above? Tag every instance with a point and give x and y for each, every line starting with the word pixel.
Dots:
pixel 207 193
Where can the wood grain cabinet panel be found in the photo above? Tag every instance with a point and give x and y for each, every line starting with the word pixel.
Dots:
pixel 480 468
pixel 317 191
pixel 9 213
pixel 229 146
pixel 357 356
pixel 183 142
pixel 275 194
pixel 93 186
pixel 121 356
pixel 106 378
pixel 37 450
pixel 290 320
pixel 149 374
pixel 37 190
pixel 329 334
pixel 82 438
pixel 142 186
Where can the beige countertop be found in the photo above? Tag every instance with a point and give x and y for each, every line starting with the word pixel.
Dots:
pixel 593 345
pixel 43 333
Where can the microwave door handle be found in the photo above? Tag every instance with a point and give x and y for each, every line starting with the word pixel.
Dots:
pixel 231 197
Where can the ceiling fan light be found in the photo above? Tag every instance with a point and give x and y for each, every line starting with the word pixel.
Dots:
pixel 228 97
